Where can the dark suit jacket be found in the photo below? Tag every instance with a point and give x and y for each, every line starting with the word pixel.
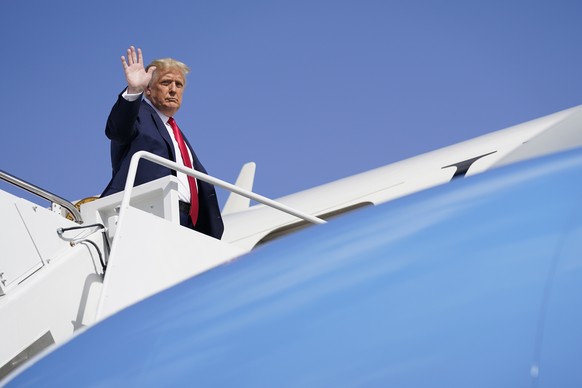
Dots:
pixel 135 126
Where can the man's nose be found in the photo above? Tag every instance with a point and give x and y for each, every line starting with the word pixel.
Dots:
pixel 172 87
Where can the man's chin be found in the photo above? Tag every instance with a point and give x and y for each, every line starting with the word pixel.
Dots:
pixel 171 107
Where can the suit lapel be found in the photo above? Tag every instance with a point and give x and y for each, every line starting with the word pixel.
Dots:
pixel 163 131
pixel 161 128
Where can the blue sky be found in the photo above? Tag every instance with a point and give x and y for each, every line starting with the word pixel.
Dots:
pixel 311 91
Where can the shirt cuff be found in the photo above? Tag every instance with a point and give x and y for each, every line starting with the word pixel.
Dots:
pixel 130 97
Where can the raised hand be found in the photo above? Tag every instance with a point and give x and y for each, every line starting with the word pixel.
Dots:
pixel 135 73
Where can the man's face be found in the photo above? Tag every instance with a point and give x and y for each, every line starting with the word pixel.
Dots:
pixel 165 91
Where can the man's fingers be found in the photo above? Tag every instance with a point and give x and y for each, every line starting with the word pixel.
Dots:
pixel 131 57
pixel 139 56
pixel 133 64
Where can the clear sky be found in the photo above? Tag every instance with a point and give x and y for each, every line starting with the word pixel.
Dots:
pixel 310 90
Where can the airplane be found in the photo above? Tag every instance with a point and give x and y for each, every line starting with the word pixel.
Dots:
pixel 474 284
pixel 61 277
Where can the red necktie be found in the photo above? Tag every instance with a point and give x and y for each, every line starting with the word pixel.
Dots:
pixel 187 163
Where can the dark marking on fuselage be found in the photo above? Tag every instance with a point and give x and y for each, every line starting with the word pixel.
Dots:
pixel 463 166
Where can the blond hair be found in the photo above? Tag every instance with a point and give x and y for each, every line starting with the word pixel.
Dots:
pixel 169 63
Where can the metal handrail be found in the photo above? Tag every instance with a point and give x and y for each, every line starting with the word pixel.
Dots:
pixel 53 198
pixel 207 178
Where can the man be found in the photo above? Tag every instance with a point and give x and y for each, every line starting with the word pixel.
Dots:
pixel 137 123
